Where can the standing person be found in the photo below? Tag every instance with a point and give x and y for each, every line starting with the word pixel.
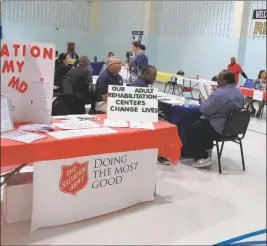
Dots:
pixel 138 61
pixel 147 77
pixel 80 79
pixel 109 77
pixel 61 68
pixel 110 54
pixel 261 82
pixel 140 58
pixel 199 137
pixel 236 69
pixel 73 55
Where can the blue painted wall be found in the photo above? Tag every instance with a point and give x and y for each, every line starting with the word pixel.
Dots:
pixel 195 36
pixel 118 20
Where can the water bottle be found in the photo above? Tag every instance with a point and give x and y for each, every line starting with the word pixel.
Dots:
pixel 186 103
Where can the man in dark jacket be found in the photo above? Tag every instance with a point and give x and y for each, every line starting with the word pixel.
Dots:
pixel 80 78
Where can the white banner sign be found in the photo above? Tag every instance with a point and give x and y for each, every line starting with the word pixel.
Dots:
pixel 27 79
pixel 259 22
pixel 69 190
pixel 132 103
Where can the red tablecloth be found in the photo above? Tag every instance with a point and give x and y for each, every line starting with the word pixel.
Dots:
pixel 249 92
pixel 165 138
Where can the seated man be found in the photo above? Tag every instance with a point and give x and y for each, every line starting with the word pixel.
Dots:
pixel 109 77
pixel 147 77
pixel 199 137
pixel 80 79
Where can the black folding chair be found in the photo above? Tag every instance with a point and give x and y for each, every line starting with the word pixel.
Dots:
pixel 235 130
pixel 172 83
pixel 66 86
pixel 67 104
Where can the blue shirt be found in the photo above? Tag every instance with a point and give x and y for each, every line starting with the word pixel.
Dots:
pixel 140 82
pixel 139 60
pixel 105 79
pixel 220 104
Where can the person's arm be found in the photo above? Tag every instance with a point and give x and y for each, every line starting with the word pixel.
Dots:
pixel 212 105
pixel 88 78
pixel 242 72
pixel 104 89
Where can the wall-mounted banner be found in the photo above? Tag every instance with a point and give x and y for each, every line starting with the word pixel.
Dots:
pixel 132 103
pixel 137 36
pixel 27 78
pixel 259 23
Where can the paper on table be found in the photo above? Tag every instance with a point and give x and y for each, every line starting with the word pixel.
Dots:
pixel 83 116
pixel 6 119
pixel 22 136
pixel 178 102
pixel 37 128
pixel 77 125
pixel 115 123
pixel 142 125
pixel 78 117
pixel 80 133
pixel 161 94
pixel 258 95
pixel 95 79
pixel 205 89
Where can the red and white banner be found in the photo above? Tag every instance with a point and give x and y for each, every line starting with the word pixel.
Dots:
pixel 74 189
pixel 27 79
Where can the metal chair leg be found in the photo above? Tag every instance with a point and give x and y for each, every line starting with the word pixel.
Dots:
pixel 219 158
pixel 173 88
pixel 165 87
pixel 221 149
pixel 242 155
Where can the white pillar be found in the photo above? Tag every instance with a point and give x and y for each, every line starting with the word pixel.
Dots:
pixel 94 16
pixel 241 21
pixel 151 30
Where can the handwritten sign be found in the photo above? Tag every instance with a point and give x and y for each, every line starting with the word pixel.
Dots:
pixel 132 103
pixel 259 22
pixel 27 78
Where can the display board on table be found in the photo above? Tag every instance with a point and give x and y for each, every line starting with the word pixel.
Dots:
pixel 85 187
pixel 6 119
pixel 27 79
pixel 259 22
pixel 132 103
pixel 137 36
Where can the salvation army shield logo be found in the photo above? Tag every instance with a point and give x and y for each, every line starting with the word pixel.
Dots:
pixel 73 177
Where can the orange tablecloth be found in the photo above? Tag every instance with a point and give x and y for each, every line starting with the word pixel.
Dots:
pixel 249 92
pixel 165 137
